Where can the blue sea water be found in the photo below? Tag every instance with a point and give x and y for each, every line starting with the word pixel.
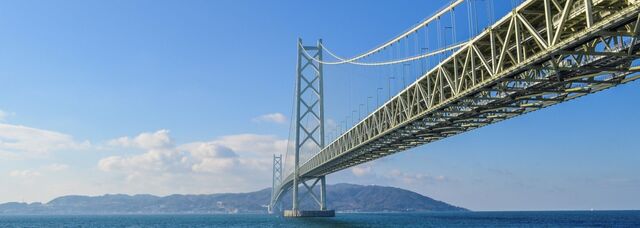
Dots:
pixel 458 219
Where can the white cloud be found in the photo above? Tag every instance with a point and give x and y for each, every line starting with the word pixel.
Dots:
pixel 396 176
pixel 147 140
pixel 361 170
pixel 153 163
pixel 27 173
pixel 210 149
pixel 253 144
pixel 3 115
pixel 24 173
pixel 413 178
pixel 56 167
pixel 331 125
pixel 21 141
pixel 277 117
pixel 214 165
pixel 232 160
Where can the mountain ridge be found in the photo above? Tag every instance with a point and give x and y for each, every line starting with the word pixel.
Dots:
pixel 341 197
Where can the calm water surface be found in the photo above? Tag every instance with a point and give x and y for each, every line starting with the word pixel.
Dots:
pixel 459 219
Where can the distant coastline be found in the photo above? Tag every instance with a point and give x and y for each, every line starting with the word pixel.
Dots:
pixel 344 198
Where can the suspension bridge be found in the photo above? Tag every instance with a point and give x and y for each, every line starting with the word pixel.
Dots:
pixel 541 53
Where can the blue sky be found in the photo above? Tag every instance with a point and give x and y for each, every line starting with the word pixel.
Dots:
pixel 170 97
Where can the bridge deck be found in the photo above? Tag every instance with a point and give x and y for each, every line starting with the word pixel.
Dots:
pixel 534 57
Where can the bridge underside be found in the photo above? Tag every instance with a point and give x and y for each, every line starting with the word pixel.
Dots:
pixel 500 103
pixel 543 53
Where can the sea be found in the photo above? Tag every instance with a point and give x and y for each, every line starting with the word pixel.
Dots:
pixel 452 219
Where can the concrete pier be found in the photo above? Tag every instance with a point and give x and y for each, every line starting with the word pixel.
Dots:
pixel 297 213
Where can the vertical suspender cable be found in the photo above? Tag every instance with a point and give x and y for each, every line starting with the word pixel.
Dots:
pixel 439 33
pixel 428 44
pixel 416 49
pixel 453 25
pixel 470 18
pixel 475 17
pixel 453 28
pixel 404 80
pixel 491 11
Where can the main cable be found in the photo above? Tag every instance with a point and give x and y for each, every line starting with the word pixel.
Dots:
pixel 343 61
pixel 405 34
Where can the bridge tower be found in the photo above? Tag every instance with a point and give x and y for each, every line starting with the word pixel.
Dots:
pixel 309 127
pixel 277 180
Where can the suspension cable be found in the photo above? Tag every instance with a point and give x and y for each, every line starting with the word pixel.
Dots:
pixel 405 34
pixel 343 61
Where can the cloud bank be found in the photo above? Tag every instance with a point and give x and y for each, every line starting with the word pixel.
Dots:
pixel 277 117
pixel 18 141
pixel 197 166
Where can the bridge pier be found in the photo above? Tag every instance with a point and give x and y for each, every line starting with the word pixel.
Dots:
pixel 320 213
pixel 320 200
pixel 323 193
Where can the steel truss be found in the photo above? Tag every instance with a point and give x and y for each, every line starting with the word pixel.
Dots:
pixel 542 53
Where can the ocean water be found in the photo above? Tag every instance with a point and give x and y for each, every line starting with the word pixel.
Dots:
pixel 458 219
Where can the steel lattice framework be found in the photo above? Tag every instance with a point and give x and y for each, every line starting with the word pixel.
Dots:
pixel 309 123
pixel 277 179
pixel 543 53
